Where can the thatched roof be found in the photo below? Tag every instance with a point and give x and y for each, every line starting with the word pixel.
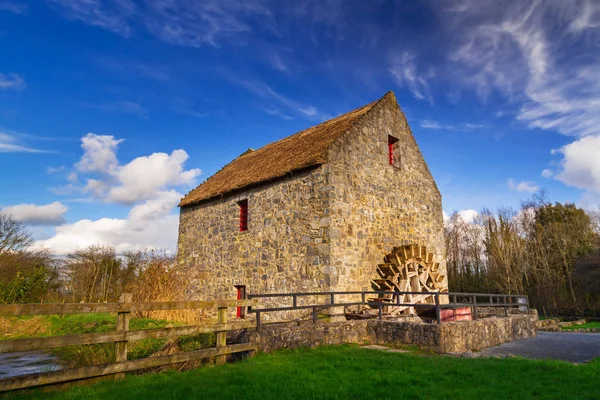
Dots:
pixel 297 152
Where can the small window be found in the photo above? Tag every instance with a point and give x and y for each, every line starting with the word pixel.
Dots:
pixel 241 294
pixel 393 153
pixel 243 215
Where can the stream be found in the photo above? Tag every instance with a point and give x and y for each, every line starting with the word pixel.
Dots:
pixel 27 362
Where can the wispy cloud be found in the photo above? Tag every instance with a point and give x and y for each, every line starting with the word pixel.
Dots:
pixel 53 170
pixel 180 22
pixel 465 126
pixel 403 68
pixel 14 142
pixel 264 91
pixel 15 7
pixel 126 107
pixel 523 186
pixel 191 112
pixel 525 51
pixel 131 68
pixel 11 81
pixel 110 15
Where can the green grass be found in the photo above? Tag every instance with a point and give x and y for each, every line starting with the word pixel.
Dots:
pixel 71 324
pixel 349 372
pixel 592 324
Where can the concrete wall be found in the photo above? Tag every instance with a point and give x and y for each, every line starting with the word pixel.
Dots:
pixel 376 206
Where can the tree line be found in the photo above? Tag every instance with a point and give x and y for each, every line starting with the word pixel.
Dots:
pixel 93 274
pixel 551 252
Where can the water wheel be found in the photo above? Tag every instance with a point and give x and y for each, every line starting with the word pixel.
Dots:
pixel 409 268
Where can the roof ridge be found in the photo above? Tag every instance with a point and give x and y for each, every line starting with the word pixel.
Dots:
pixel 298 151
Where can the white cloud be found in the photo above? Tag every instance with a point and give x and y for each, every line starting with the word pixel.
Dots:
pixel 145 183
pixel 148 225
pixel 160 205
pixel 141 179
pixel 580 166
pixel 123 234
pixel 404 70
pixel 144 176
pixel 31 214
pixel 547 173
pixel 99 153
pixel 460 217
pixel 468 216
pixel 11 81
pixel 523 186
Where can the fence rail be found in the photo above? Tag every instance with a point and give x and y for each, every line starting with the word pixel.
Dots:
pixel 471 300
pixel 125 307
pixel 121 337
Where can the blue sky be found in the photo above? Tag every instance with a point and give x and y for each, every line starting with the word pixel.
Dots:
pixel 110 110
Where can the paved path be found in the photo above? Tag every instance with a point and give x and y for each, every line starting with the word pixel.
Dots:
pixel 573 347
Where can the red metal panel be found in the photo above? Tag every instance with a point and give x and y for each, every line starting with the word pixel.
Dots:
pixel 391 153
pixel 456 314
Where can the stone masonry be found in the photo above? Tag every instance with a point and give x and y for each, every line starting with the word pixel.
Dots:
pixel 452 337
pixel 321 228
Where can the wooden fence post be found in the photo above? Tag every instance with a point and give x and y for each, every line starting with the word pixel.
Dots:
pixel 222 336
pixel 122 325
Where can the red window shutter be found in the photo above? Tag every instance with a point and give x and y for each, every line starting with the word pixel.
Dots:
pixel 241 294
pixel 243 215
pixel 391 143
pixel 239 297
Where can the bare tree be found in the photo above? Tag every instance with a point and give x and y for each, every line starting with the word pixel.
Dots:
pixel 13 235
pixel 91 274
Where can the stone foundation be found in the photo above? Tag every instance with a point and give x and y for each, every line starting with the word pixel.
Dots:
pixel 451 337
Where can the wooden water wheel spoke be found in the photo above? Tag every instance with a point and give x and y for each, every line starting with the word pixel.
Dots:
pixel 409 268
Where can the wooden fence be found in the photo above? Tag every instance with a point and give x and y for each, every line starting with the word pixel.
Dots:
pixel 121 337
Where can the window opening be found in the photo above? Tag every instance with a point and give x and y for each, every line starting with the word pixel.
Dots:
pixel 393 158
pixel 243 215
pixel 241 294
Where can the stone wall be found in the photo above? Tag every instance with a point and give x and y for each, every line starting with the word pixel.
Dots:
pixel 376 206
pixel 324 229
pixel 285 249
pixel 451 337
pixel 292 335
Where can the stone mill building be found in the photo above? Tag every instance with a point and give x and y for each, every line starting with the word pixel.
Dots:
pixel 315 211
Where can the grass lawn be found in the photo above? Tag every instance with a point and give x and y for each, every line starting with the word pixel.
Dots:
pixel 592 324
pixel 71 324
pixel 348 372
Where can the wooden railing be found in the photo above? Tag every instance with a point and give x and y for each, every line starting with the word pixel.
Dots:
pixel 121 337
pixel 455 300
